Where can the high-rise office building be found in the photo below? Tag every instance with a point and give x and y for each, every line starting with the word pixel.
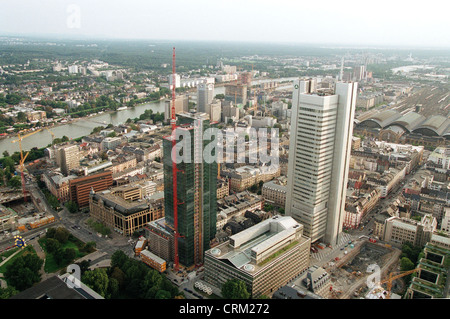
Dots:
pixel 196 189
pixel 320 144
pixel 205 95
pixel 181 105
pixel 67 158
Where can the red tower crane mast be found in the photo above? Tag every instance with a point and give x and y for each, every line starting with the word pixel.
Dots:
pixel 174 167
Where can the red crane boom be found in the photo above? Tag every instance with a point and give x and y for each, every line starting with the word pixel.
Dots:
pixel 174 167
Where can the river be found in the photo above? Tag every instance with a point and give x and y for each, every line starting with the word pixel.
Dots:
pixel 80 127
pixel 84 126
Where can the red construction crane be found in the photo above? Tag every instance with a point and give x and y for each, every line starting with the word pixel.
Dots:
pixel 173 121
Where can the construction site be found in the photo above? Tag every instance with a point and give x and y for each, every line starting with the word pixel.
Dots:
pixel 350 274
pixel 21 210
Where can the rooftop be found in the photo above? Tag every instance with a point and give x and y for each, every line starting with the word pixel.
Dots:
pixel 248 249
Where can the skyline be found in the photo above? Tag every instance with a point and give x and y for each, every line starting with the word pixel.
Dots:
pixel 342 23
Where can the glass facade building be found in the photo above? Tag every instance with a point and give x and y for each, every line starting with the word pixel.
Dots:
pixel 196 189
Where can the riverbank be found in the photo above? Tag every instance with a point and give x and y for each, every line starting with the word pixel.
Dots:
pixel 77 119
pixel 77 127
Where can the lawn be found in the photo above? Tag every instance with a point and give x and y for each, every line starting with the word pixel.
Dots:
pixel 50 264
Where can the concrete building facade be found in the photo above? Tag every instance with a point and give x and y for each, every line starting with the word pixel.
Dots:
pixel 320 144
pixel 265 256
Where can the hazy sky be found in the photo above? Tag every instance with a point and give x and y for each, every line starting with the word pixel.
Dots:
pixel 377 22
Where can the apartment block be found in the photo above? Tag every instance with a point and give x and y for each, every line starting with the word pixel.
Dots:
pixel 67 158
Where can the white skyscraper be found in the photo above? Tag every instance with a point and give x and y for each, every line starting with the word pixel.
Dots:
pixel 205 95
pixel 319 152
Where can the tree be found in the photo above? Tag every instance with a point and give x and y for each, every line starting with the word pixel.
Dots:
pixel 162 294
pixel 5 154
pixel 119 276
pixel 21 117
pixel 24 271
pixel 8 162
pixel 406 264
pixel 15 182
pixel 113 288
pixel 69 254
pixel 52 245
pixel 6 293
pixel 62 235
pixel 89 247
pixel 118 259
pixel 84 266
pixel 235 289
pixel 98 280
pixel 71 206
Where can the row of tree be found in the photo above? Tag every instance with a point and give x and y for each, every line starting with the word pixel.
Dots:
pixel 129 278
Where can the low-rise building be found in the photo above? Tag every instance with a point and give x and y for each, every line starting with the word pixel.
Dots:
pixel 237 205
pixel 153 261
pixel 358 204
pixel 58 185
pixel 223 188
pixel 244 177
pixel 122 215
pixel 265 257
pixel 398 231
pixel 274 192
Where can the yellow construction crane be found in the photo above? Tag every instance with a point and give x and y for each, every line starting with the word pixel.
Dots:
pixel 393 277
pixel 22 159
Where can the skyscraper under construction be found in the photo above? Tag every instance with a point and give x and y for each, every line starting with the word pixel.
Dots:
pixel 196 188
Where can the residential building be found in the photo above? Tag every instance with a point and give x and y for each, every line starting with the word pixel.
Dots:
pixel 160 239
pixel 67 158
pixel 358 204
pixel 223 188
pixel 244 177
pixel 110 143
pixel 320 144
pixel 440 157
pixel 398 231
pixel 236 205
pixel 58 185
pixel 274 192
